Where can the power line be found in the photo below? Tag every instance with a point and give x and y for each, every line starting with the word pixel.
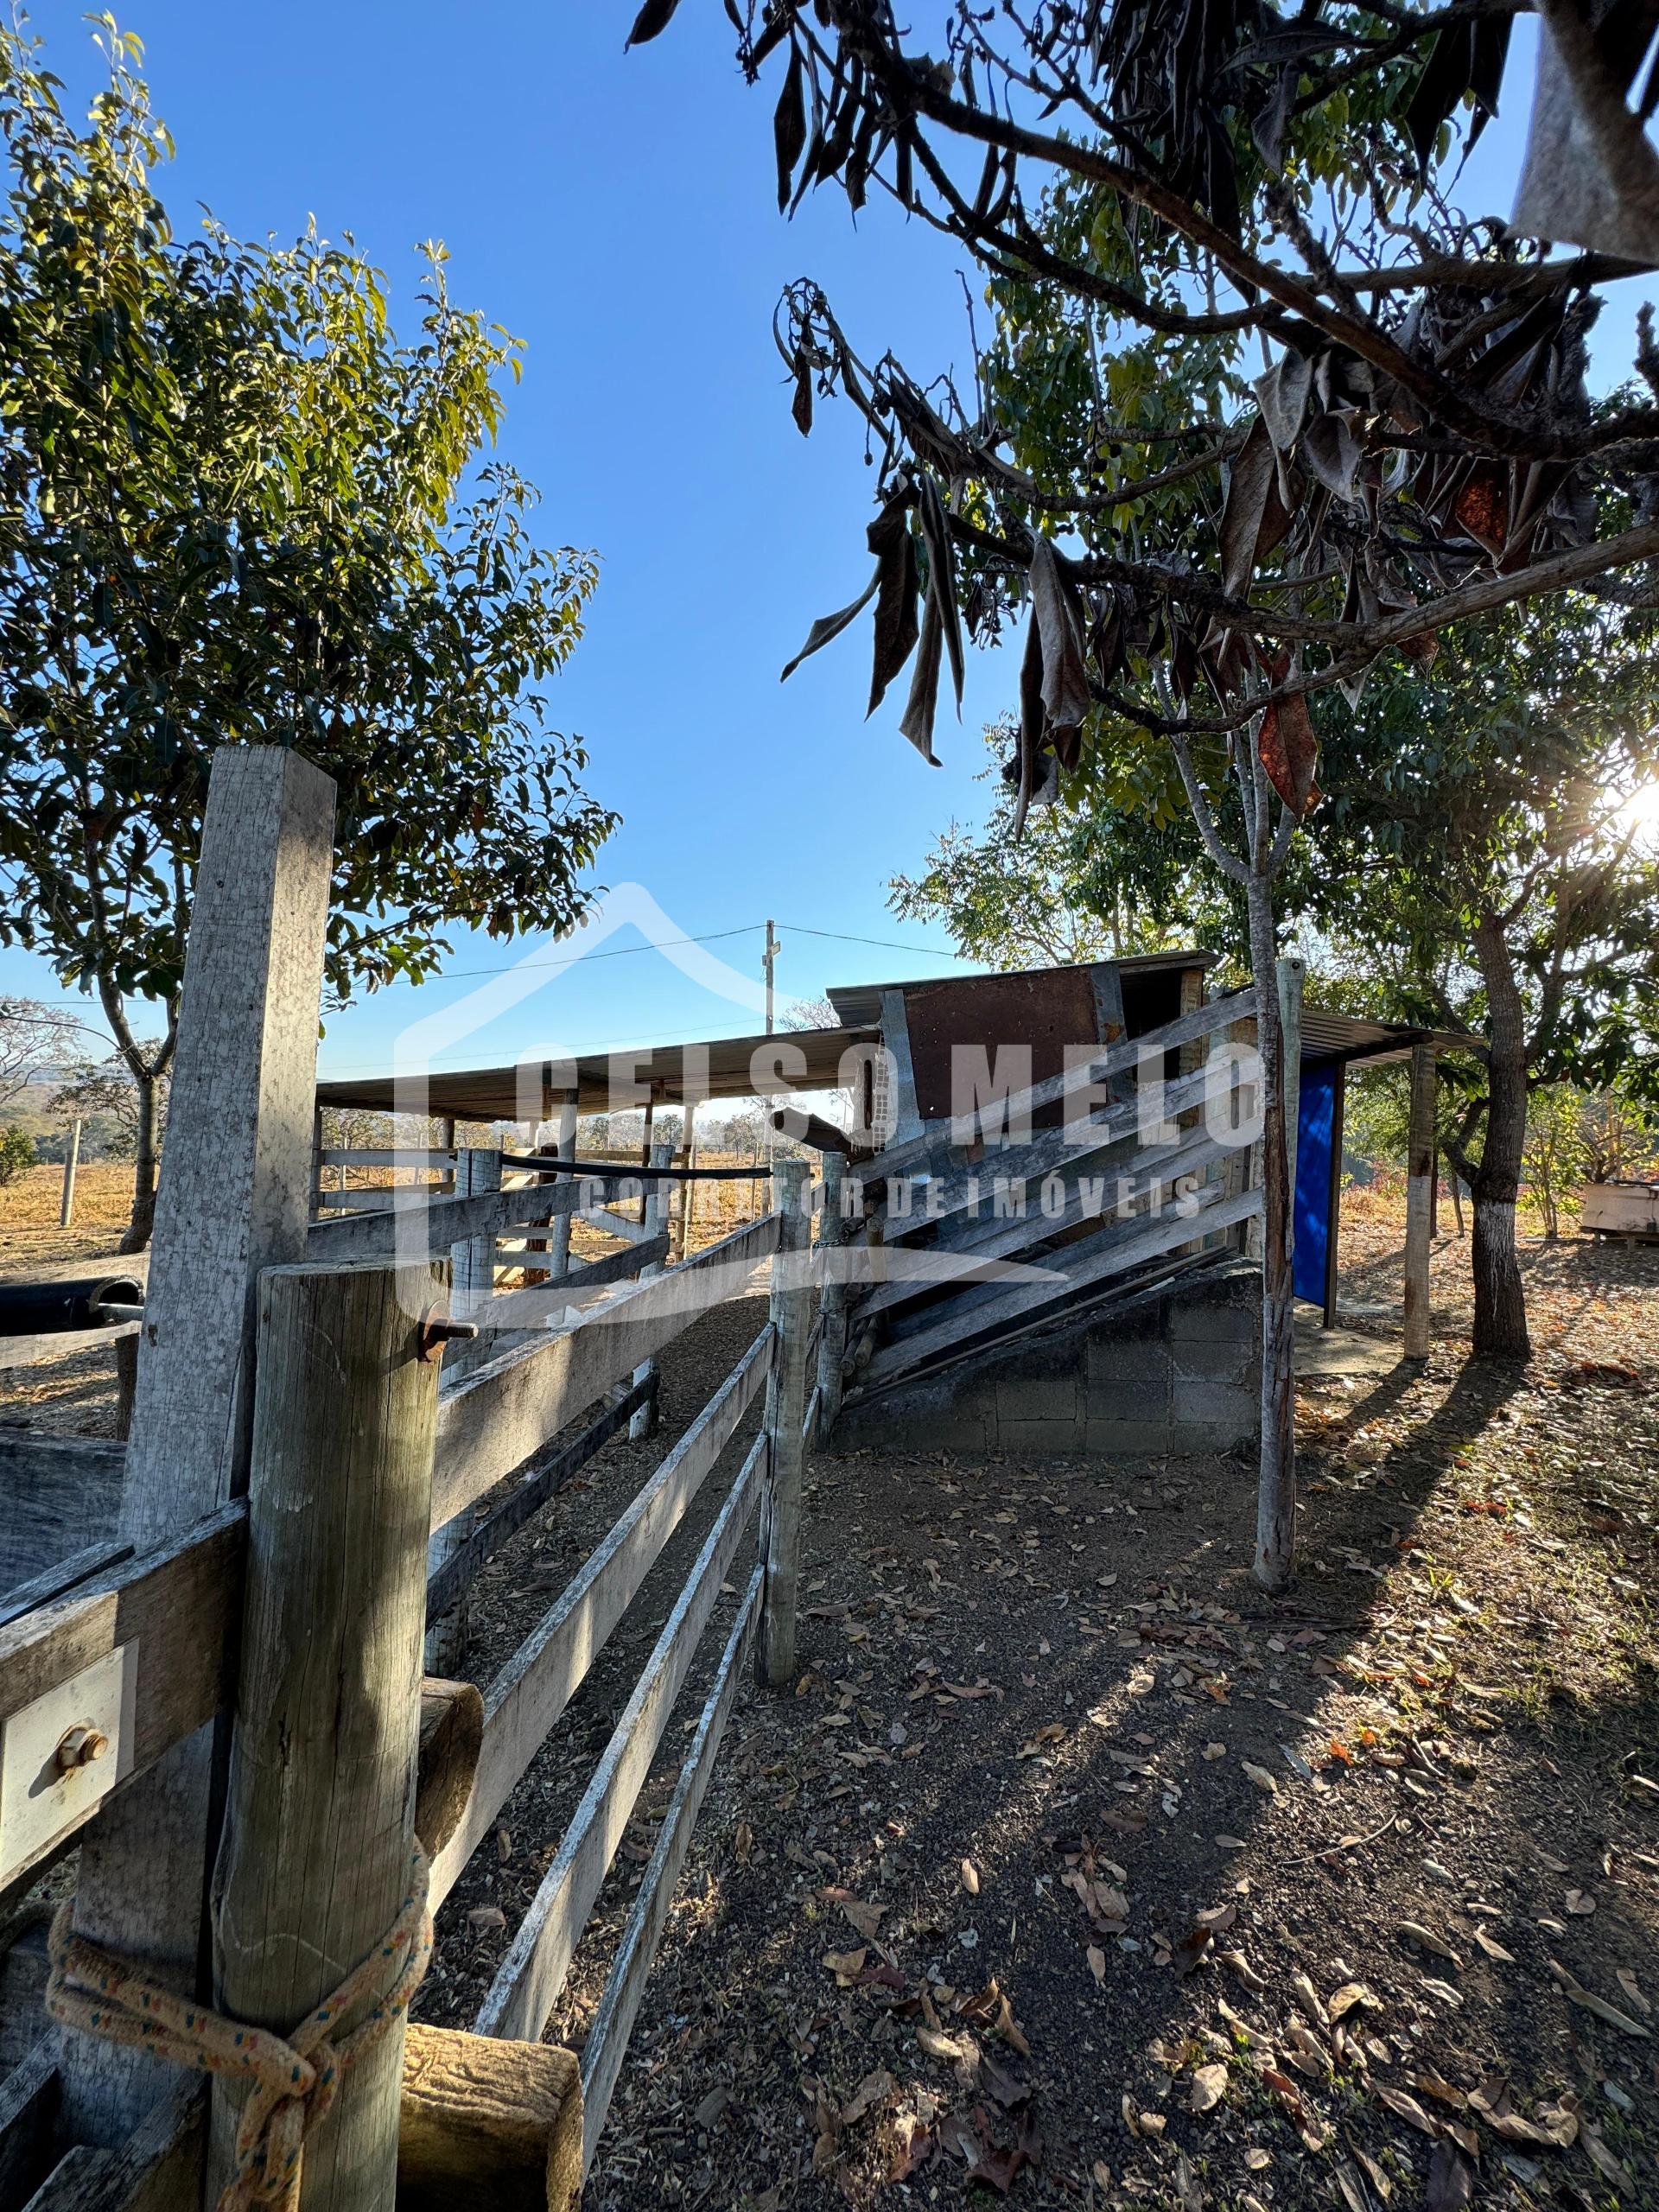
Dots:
pixel 580 959
pixel 887 943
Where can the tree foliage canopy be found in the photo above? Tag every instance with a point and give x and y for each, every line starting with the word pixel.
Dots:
pixel 239 508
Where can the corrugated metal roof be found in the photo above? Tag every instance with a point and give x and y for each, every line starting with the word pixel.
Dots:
pixel 508 1094
pixel 1348 1037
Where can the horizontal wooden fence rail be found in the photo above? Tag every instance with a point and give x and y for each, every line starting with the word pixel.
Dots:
pixel 67 1574
pixel 496 1417
pixel 61 1343
pixel 1132 1243
pixel 625 1985
pixel 970 1250
pixel 530 1978
pixel 530 1308
pixel 525 1497
pixel 165 1622
pixel 539 1681
pixel 414 1226
pixel 367 1156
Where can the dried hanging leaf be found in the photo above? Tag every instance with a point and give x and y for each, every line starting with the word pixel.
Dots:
pixel 1254 518
pixel 801 406
pixel 789 126
pixel 1288 748
pixel 1589 177
pixel 1331 452
pixel 652 19
pixel 831 625
pixel 896 625
pixel 942 575
pixel 923 703
pixel 1057 616
pixel 1281 393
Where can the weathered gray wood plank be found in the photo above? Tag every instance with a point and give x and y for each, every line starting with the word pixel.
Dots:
pixel 533 1688
pixel 58 1494
pixel 607 2039
pixel 532 1973
pixel 1114 1252
pixel 493 1422
pixel 233 1199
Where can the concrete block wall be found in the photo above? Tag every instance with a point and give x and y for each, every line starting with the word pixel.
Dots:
pixel 1177 1372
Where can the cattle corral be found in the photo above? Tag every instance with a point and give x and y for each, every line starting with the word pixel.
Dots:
pixel 434 1514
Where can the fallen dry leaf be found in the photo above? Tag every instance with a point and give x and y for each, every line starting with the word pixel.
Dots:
pixel 1451 2180
pixel 1575 1992
pixel 1209 2088
pixel 483 1916
pixel 1097 1962
pixel 1580 1901
pixel 971 1878
pixel 1416 1933
pixel 1405 2107
pixel 870 2092
pixel 1351 1996
pixel 845 1964
pixel 1241 1967
pixel 866 1918
pixel 1259 1775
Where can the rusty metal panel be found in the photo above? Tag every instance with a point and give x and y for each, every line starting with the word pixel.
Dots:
pixel 1046 1011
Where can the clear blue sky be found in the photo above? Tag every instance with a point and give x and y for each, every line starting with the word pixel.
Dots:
pixel 618 213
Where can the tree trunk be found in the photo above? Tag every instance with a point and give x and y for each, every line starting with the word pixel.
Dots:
pixel 1500 1299
pixel 1275 1537
pixel 138 1236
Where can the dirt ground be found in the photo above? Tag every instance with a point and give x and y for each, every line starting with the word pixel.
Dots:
pixel 1077 1870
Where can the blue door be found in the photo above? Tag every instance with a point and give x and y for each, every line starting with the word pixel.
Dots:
pixel 1316 1133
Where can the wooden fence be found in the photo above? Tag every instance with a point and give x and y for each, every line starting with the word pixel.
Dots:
pixel 222 1668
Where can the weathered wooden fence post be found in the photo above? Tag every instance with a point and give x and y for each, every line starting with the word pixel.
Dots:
pixel 1275 1516
pixel 780 1506
pixel 688 1189
pixel 1420 1199
pixel 320 1815
pixel 643 1420
pixel 232 1199
pixel 832 1298
pixel 477 1169
pixel 564 1140
pixel 473 1285
pixel 71 1161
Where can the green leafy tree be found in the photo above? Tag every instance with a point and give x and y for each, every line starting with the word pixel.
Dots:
pixel 238 509
pixel 16 1151
pixel 1481 854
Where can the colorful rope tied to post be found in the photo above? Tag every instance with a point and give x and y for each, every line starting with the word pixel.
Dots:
pixel 295 2078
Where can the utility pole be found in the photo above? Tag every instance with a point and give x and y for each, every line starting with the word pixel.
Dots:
pixel 770 963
